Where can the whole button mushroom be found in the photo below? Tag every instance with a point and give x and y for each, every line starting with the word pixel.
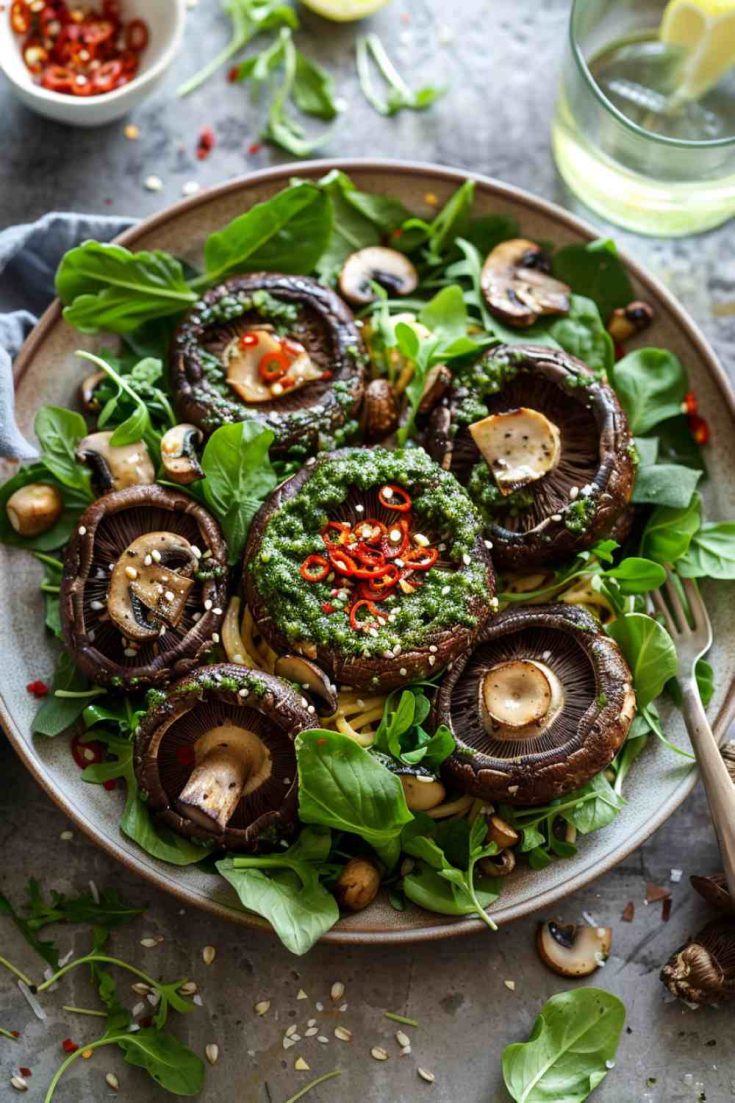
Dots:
pixel 34 508
pixel 357 885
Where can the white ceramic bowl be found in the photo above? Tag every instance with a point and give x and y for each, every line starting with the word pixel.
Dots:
pixel 165 19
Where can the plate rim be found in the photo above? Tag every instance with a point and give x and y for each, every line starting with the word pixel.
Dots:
pixel 279 174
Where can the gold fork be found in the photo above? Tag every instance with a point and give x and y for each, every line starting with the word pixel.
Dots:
pixel 692 636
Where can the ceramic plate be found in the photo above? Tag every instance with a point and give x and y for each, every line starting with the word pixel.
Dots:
pixel 47 371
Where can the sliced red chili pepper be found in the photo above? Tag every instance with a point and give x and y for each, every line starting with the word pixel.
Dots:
pixel 689 405
pixel 110 784
pixel 393 549
pixel 420 559
pixel 248 340
pixel 96 32
pixel 136 35
pixel 340 527
pixel 383 584
pixel 327 607
pixel 35 55
pixel 699 429
pixel 368 557
pixel 20 17
pixel 371 572
pixel 57 78
pixel 89 753
pixel 287 382
pixel 273 365
pixel 205 143
pixel 370 531
pixel 358 625
pixel 315 568
pixel 25 1071
pixel 107 76
pixel 82 85
pixel 343 563
pixel 68 1046
pixel 130 62
pixel 37 688
pixel 395 497
pixel 49 22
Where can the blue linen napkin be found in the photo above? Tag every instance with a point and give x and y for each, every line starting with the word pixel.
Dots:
pixel 29 257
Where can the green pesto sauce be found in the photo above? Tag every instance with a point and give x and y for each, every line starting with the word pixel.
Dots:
pixel 484 492
pixel 294 531
pixel 578 514
pixel 482 379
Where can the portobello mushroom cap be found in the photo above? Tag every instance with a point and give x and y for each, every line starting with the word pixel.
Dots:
pixel 427 619
pixel 216 759
pixel 544 450
pixel 539 706
pixel 144 587
pixel 219 379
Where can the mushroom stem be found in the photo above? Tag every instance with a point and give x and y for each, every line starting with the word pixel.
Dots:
pixel 230 762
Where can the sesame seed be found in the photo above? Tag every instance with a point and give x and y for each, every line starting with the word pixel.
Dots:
pixel 243 692
pixel 555 517
pixel 403 672
pixel 446 590
pixel 66 836
pixel 208 604
pixel 97 605
pixel 262 1007
pixel 217 611
pixel 426 1075
pixel 573 492
pixel 379 1053
pixel 421 540
pixel 359 508
pixel 148 943
pixel 322 1038
pixel 156 555
pixel 290 1030
pixel 311 1031
pixel 208 955
pixel 190 187
pixel 19 1083
pixel 402 1038
pixel 466 559
pixel 337 991
pixel 488 544
pixel 188 988
pixel 215 637
pixel 343 1034
pixel 140 988
pixel 319 1005
pixel 112 1081
pixel 211 1052
pixel 287 1043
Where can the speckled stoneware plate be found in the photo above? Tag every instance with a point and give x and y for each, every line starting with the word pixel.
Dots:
pixel 47 371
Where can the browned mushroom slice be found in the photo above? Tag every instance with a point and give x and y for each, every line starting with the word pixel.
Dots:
pixel 280 349
pixel 573 951
pixel 216 758
pixel 309 677
pixel 115 467
pixel 390 269
pixel 516 283
pixel 380 410
pixel 144 586
pixel 538 707
pixel 179 454
pixel 562 477
pixel 713 888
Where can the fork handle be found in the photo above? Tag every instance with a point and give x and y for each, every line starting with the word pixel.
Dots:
pixel 718 785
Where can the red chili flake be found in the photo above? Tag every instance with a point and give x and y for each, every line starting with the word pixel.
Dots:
pixel 205 145
pixel 110 784
pixel 37 688
pixel 327 375
pixel 628 912
pixel 185 755
pixel 699 429
pixel 255 147
pixel 233 74
pixel 689 405
pixel 25 1071
pixel 666 910
pixel 68 1046
pixel 327 607
pixel 86 753
pixel 15 1033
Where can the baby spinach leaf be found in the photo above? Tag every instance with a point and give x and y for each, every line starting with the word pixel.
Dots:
pixel 637 576
pixel 341 785
pixel 582 333
pixel 359 219
pixel 172 1065
pixel 488 230
pixel 59 431
pixel 287 233
pixel 711 553
pixel 571 1049
pixel 649 651
pixel 285 889
pixel 677 445
pixel 592 815
pixel 239 475
pixel 106 286
pixel 651 384
pixel 669 532
pixel 313 89
pixel 666 484
pixel 595 270
pixel 57 714
pixel 401 732
pixel 445 879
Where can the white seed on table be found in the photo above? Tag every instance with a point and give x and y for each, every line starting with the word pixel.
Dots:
pixel 291 1030
pixel 337 991
pixel 379 1053
pixel 426 1075
pixel 402 1038
pixel 311 1031
pixel 343 1034
pixel 321 1038
pixel 212 1053
pixel 19 1083
pixel 208 955
pixel 262 1007
pixel 112 1081
pixel 148 943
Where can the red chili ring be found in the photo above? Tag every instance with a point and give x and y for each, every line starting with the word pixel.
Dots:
pixel 362 625
pixel 136 35
pixel 421 559
pixel 391 550
pixel 404 499
pixel 57 78
pixel 344 564
pixel 280 363
pixel 107 76
pixel 339 526
pixel 306 572
pixel 20 17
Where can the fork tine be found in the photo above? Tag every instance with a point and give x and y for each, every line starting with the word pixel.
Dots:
pixel 700 616
pixel 660 607
pixel 674 602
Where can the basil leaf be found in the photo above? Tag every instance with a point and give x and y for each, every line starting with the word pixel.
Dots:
pixel 669 532
pixel 711 553
pixel 595 270
pixel 341 785
pixel 651 384
pixel 106 286
pixel 59 431
pixel 287 233
pixel 582 333
pixel 649 651
pixel 238 476
pixel 666 484
pixel 637 576
pixel 570 1051
pixel 172 1065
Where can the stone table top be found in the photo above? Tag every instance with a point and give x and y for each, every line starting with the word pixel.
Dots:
pixel 500 59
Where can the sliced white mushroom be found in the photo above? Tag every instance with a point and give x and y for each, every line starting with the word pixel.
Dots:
pixel 230 762
pixel 519 446
pixel 34 508
pixel 388 268
pixel 519 698
pixel 244 358
pixel 517 286
pixel 150 585
pixel 498 865
pixel 115 467
pixel 573 951
pixel 422 791
pixel 308 676
pixel 179 454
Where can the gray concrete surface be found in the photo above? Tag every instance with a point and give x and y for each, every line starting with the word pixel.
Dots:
pixel 501 59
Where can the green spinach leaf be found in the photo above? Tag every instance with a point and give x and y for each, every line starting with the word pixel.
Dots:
pixel 582 333
pixel 649 651
pixel 401 732
pixel 669 532
pixel 666 484
pixel 595 270
pixel 711 552
pixel 651 384
pixel 59 431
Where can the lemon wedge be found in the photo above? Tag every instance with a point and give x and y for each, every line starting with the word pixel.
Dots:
pixel 344 11
pixel 706 29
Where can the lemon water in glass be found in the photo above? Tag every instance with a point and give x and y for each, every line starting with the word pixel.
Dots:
pixel 644 131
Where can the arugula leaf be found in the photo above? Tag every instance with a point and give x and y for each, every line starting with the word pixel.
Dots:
pixel 249 18
pixel 287 233
pixel 669 532
pixel 238 476
pixel 445 230
pixel 570 1051
pixel 595 270
pixel 651 385
pixel 105 286
pixel 59 431
pixel 711 552
pixel 398 94
pixel 445 879
pixel 341 785
pixel 582 333
pixel 402 735
pixel 285 889
pixel 649 651
pixel 666 484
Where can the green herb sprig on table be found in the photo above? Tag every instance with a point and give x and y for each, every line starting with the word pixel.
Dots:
pixel 398 96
